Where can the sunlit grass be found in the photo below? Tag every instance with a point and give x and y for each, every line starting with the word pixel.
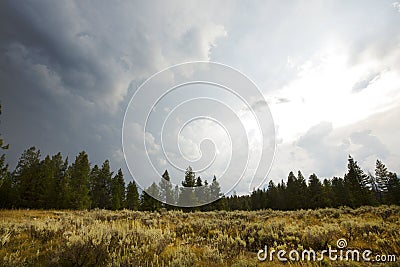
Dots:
pixel 174 238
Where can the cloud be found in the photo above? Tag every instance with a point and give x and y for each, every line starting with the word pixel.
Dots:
pixel 366 81
pixel 97 60
pixel 259 105
pixel 396 5
pixel 327 154
pixel 323 149
pixel 282 100
pixel 67 69
pixel 370 145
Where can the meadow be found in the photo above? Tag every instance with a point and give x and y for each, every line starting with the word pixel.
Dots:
pixel 176 238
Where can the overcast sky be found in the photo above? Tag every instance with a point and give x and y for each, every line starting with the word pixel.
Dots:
pixel 329 71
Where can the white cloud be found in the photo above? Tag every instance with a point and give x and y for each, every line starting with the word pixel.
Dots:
pixel 370 145
pixel 396 5
pixel 323 90
pixel 324 149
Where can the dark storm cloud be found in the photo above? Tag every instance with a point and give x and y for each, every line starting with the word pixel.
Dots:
pixel 74 48
pixel 49 81
pixel 67 68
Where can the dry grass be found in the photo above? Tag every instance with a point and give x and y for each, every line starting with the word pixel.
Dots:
pixel 174 238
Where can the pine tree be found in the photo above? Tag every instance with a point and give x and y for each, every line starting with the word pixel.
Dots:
pixel 7 193
pixel 356 182
pixel 51 172
pixel 101 187
pixel 393 189
pixel 3 168
pixel 291 192
pixel 79 182
pixel 59 167
pixel 27 179
pixel 148 199
pixel 217 196
pixel 6 185
pixel 256 199
pixel 372 184
pixel 382 179
pixel 175 193
pixel 302 191
pixel 233 202
pixel 206 192
pixel 94 187
pixel 340 193
pixel 166 191
pixel 132 196
pixel 272 195
pixel 215 189
pixel 187 196
pixel 206 197
pixel 199 182
pixel 315 192
pixel 327 194
pixel 64 200
pixel 190 179
pixel 283 202
pixel 199 191
pixel 47 176
pixel 118 191
pixel 381 174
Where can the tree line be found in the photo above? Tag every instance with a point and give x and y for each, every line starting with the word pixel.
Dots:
pixel 53 183
pixel 194 191
pixel 355 189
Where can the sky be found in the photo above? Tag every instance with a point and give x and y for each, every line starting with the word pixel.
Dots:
pixel 329 72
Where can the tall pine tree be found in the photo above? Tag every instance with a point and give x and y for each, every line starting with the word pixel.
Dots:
pixel 79 182
pixel 149 198
pixel 382 179
pixel 315 192
pixel 356 183
pixel 166 190
pixel 187 196
pixel 27 179
pixel 132 196
pixel 118 191
pixel 393 189
pixel 101 187
pixel 217 196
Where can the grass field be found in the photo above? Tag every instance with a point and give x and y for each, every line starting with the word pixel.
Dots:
pixel 175 238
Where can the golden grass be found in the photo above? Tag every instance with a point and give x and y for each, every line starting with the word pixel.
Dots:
pixel 174 238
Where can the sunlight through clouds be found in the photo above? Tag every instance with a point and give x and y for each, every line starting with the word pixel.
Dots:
pixel 322 91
